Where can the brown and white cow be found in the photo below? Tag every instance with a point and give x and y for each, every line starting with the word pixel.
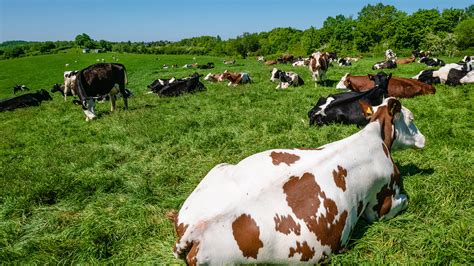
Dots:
pixel 213 77
pixel 235 78
pixel 318 65
pixel 397 87
pixel 271 62
pixel 297 205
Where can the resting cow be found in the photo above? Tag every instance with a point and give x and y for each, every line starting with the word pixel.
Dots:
pixel 97 80
pixel 346 107
pixel 344 62
pixel 286 79
pixel 431 61
pixel 405 60
pixel 397 87
pixel 455 73
pixel 287 58
pixel 25 100
pixel 235 78
pixel 290 206
pixel 18 88
pixel 385 64
pixel 212 77
pixel 175 87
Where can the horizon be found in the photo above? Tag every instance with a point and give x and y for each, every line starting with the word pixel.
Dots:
pixel 53 20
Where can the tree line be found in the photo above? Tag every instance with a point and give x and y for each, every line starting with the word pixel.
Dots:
pixel 376 28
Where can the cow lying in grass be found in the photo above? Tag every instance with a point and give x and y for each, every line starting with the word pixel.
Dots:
pixel 288 206
pixel 347 108
pixel 286 79
pixel 25 100
pixel 451 74
pixel 397 87
pixel 175 87
pixel 213 77
pixel 391 63
pixel 18 88
pixel 235 78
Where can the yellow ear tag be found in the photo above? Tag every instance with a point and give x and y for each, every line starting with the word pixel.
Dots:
pixel 368 111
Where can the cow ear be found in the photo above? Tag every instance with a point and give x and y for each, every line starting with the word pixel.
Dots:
pixel 366 109
pixel 394 106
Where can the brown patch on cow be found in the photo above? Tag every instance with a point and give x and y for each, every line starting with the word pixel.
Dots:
pixel 191 258
pixel 384 116
pixel 306 252
pixel 310 149
pixel 303 197
pixel 360 208
pixel 384 201
pixel 246 234
pixel 283 157
pixel 385 149
pixel 340 177
pixel 286 225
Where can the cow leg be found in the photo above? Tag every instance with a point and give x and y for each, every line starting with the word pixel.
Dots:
pixel 399 203
pixel 89 112
pixel 112 102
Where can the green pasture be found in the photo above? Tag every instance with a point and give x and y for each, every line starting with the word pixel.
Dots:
pixel 73 191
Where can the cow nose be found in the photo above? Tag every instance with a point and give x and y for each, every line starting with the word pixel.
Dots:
pixel 420 142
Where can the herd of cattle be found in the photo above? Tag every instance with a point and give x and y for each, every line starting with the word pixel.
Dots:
pixel 288 205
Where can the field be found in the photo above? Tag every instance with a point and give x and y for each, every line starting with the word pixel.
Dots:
pixel 87 192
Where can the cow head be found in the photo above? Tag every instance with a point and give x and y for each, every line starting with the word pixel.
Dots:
pixel 275 74
pixel 398 130
pixel 344 83
pixel 381 79
pixel 45 95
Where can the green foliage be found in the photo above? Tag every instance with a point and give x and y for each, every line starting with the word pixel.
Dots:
pixel 465 34
pixel 76 192
pixel 85 41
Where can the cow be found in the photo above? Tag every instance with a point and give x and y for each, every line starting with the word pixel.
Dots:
pixel 271 62
pixel 385 64
pixel 25 100
pixel 235 78
pixel 431 76
pixel 286 58
pixel 229 62
pixel 390 55
pixel 318 65
pixel 301 62
pixel 174 87
pixel 18 88
pixel 332 57
pixel 345 107
pixel 100 79
pixel 292 206
pixel 421 53
pixel 433 62
pixel 188 66
pixel 467 62
pixel 397 87
pixel 457 77
pixel 405 60
pixel 286 79
pixel 212 77
pixel 209 65
pixel 69 88
pixel 344 62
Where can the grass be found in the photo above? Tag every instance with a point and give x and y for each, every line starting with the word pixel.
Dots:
pixel 88 192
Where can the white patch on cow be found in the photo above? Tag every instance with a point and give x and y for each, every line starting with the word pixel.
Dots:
pixel 340 84
pixel 272 77
pixel 90 112
pixel 323 107
pixel 406 133
pixel 469 78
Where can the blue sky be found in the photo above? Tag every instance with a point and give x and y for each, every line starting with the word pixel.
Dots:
pixel 147 20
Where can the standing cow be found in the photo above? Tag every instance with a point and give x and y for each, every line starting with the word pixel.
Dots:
pixel 289 206
pixel 318 65
pixel 97 80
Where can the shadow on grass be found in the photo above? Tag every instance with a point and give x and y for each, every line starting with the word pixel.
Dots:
pixel 411 169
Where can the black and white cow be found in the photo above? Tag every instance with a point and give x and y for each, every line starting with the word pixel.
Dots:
pixel 286 79
pixel 18 88
pixel 209 65
pixel 431 61
pixel 100 79
pixel 349 107
pixel 453 74
pixel 25 100
pixel 390 55
pixel 344 61
pixel 175 87
pixel 385 64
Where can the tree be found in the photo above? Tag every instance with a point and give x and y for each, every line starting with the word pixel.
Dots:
pixel 84 41
pixel 464 33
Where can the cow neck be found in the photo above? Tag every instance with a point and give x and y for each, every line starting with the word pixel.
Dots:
pixel 386 125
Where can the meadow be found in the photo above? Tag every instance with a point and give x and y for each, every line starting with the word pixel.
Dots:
pixel 73 191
